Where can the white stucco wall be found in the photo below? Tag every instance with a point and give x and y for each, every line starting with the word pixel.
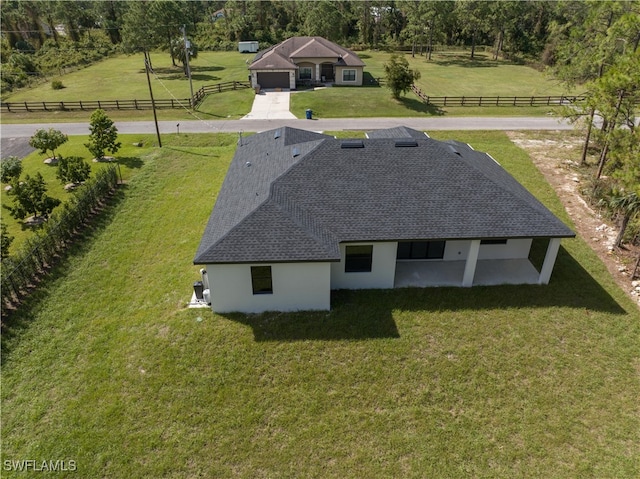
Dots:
pixel 458 250
pixel 296 286
pixel 383 269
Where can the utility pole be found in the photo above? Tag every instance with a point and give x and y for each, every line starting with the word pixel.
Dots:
pixel 187 46
pixel 153 103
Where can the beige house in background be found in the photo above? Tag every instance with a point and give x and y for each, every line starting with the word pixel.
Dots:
pixel 305 60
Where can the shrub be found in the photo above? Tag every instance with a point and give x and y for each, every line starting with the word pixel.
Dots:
pixel 11 169
pixel 57 85
pixel 72 169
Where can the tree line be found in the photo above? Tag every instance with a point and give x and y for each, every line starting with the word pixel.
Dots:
pixel 41 36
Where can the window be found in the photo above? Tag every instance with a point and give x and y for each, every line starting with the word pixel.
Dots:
pixel 305 73
pixel 261 280
pixel 358 259
pixel 420 250
pixel 348 75
pixel 493 241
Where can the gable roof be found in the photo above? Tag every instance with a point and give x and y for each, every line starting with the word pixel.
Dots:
pixel 396 185
pixel 282 55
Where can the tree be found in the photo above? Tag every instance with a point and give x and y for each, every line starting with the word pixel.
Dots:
pixel 44 140
pixel 474 16
pixel 73 169
pixel 627 205
pixel 103 135
pixel 11 169
pixel 399 76
pixel 30 198
pixel 5 242
pixel 179 52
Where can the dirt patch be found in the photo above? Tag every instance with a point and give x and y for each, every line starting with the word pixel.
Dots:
pixel 557 156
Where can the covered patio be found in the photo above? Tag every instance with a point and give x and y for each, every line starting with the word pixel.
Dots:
pixel 474 271
pixel 420 274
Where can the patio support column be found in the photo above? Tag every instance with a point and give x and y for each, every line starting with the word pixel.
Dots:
pixel 318 77
pixel 470 265
pixel 549 261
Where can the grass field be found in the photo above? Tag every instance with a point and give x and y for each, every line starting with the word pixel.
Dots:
pixel 106 367
pixel 452 74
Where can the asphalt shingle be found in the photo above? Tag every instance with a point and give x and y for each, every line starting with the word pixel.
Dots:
pixel 286 208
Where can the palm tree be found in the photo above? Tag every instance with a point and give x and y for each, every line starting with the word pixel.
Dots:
pixel 627 205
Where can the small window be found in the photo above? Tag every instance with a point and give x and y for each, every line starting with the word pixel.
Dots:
pixel 261 280
pixel 420 250
pixel 305 73
pixel 358 259
pixel 493 241
pixel 348 75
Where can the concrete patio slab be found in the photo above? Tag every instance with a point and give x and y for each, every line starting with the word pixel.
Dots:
pixel 422 274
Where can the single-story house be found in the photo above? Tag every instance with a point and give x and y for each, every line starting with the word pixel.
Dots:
pixel 301 213
pixel 305 60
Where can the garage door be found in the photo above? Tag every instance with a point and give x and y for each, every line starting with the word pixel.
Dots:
pixel 273 79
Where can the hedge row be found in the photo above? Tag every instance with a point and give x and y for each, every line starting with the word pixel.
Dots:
pixel 22 270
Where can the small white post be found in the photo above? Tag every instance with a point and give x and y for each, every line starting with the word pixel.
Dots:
pixel 549 261
pixel 470 265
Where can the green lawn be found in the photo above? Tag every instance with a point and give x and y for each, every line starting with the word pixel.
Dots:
pixel 106 367
pixel 452 74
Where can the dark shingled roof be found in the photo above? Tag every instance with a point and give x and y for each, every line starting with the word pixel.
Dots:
pixel 398 132
pixel 400 185
pixel 281 56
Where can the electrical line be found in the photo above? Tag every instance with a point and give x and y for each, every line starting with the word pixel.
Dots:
pixel 188 110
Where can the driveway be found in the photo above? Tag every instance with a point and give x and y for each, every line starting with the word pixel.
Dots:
pixel 271 105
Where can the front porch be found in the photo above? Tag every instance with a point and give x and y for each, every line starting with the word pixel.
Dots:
pixel 493 272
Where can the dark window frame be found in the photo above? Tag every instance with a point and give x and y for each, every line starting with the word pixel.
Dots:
pixel 497 241
pixel 261 280
pixel 359 259
pixel 305 77
pixel 344 77
pixel 420 250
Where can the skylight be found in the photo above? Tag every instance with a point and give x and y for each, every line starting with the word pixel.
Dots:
pixel 352 144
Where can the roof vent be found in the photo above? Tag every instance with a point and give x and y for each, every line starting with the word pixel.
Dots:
pixel 277 134
pixel 295 152
pixel 352 144
pixel 406 142
pixel 453 150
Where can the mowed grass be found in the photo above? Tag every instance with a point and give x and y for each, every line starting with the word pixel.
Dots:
pixel 123 77
pixel 448 74
pixel 106 367
pixel 128 157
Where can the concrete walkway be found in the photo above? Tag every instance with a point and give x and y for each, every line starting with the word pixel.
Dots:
pixel 271 105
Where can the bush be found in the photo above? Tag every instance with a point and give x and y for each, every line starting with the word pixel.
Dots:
pixel 72 169
pixel 57 85
pixel 11 169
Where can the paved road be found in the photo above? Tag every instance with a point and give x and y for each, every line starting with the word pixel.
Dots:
pixel 322 124
pixel 15 137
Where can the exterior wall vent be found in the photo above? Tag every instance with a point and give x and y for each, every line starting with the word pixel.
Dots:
pixel 352 144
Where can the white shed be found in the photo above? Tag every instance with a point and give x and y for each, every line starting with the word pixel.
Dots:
pixel 248 47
